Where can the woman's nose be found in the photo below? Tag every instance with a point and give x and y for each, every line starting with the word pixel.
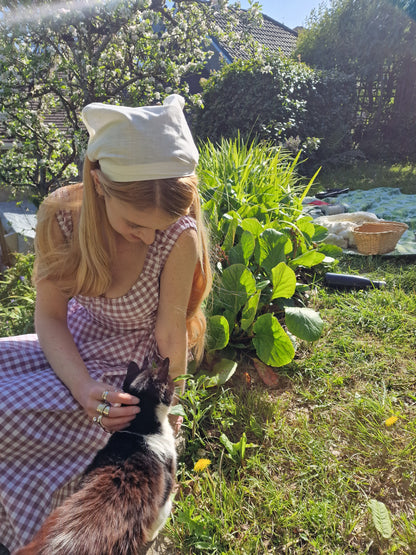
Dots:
pixel 147 236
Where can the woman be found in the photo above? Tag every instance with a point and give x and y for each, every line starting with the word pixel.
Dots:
pixel 121 271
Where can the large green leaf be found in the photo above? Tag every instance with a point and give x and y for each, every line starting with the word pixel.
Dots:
pixel 252 225
pixel 284 281
pixel 271 249
pixel 237 286
pixel 305 323
pixel 229 223
pixel 307 259
pixel 306 226
pixel 320 233
pixel 330 250
pixel 272 344
pixel 249 311
pixel 218 333
pixel 223 370
pixel 241 253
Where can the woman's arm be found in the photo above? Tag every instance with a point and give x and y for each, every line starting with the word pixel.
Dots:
pixel 175 290
pixel 59 347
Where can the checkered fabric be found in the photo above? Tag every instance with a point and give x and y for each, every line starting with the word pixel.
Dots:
pixel 46 439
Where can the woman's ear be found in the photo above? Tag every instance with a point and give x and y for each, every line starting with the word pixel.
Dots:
pixel 97 184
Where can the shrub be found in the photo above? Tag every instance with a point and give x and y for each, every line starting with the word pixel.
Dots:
pixel 253 201
pixel 17 297
pixel 281 100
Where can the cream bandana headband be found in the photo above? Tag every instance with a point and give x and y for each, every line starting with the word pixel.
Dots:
pixel 137 144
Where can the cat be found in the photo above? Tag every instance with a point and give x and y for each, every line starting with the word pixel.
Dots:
pixel 125 496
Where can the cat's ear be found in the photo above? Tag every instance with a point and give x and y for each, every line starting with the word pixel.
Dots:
pixel 164 370
pixel 132 373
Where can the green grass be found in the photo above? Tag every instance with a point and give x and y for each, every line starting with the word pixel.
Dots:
pixel 322 448
pixel 368 175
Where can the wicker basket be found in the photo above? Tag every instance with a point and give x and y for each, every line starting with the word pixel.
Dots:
pixel 378 237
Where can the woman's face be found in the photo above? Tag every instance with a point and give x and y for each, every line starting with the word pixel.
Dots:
pixel 135 225
pixel 130 223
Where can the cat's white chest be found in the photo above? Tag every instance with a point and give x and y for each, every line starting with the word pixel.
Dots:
pixel 162 444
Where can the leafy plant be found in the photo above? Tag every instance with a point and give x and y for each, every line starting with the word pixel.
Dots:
pixel 253 200
pixel 17 297
pixel 236 451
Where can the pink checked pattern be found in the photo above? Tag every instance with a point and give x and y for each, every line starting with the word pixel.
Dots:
pixel 46 438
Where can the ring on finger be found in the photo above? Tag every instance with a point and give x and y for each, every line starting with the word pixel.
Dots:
pixel 104 395
pixel 97 420
pixel 101 407
pixel 106 410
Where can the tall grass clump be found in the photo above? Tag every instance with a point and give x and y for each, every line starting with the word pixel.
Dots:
pixel 238 175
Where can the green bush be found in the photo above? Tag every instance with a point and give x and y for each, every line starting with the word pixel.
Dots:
pixel 282 101
pixel 264 243
pixel 17 297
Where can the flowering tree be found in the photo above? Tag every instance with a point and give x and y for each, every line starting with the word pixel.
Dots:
pixel 56 57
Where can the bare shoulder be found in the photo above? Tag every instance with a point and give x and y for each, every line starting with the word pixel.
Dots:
pixel 185 250
pixel 177 275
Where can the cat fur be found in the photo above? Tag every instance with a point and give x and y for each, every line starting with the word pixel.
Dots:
pixel 125 495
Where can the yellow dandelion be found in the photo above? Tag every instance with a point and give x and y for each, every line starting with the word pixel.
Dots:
pixel 201 465
pixel 390 421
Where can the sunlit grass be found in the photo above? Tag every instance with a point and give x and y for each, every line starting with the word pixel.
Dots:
pixel 323 447
pixel 368 175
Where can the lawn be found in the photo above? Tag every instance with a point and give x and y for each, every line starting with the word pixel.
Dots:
pixel 368 175
pixel 330 457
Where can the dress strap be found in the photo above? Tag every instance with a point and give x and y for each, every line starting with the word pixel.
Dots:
pixel 64 215
pixel 169 236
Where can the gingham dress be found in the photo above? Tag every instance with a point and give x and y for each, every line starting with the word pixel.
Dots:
pixel 46 440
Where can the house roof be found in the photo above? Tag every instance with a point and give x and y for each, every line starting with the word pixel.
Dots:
pixel 271 34
pixel 56 118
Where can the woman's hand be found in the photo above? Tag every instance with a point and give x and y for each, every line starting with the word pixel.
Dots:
pixel 108 401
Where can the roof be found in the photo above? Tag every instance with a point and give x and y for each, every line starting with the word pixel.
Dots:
pixel 57 118
pixel 271 35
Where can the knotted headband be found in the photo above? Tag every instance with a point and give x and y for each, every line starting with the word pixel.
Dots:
pixel 137 144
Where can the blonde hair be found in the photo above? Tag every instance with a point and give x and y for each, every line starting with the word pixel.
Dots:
pixel 81 264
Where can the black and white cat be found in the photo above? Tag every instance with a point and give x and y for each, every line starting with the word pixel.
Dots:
pixel 125 495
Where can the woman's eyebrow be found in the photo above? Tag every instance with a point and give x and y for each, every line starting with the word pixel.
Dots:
pixel 132 223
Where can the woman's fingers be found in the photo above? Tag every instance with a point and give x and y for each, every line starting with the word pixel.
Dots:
pixel 113 410
pixel 116 424
pixel 119 398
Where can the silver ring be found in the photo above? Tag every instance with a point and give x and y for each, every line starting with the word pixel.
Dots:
pixel 101 407
pixel 97 420
pixel 106 410
pixel 104 395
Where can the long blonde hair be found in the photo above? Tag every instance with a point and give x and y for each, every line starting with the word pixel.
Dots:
pixel 81 264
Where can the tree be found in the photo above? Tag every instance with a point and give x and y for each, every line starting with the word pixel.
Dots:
pixel 54 60
pixel 375 41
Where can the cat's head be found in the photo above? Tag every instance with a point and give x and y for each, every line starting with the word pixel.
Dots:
pixel 151 383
